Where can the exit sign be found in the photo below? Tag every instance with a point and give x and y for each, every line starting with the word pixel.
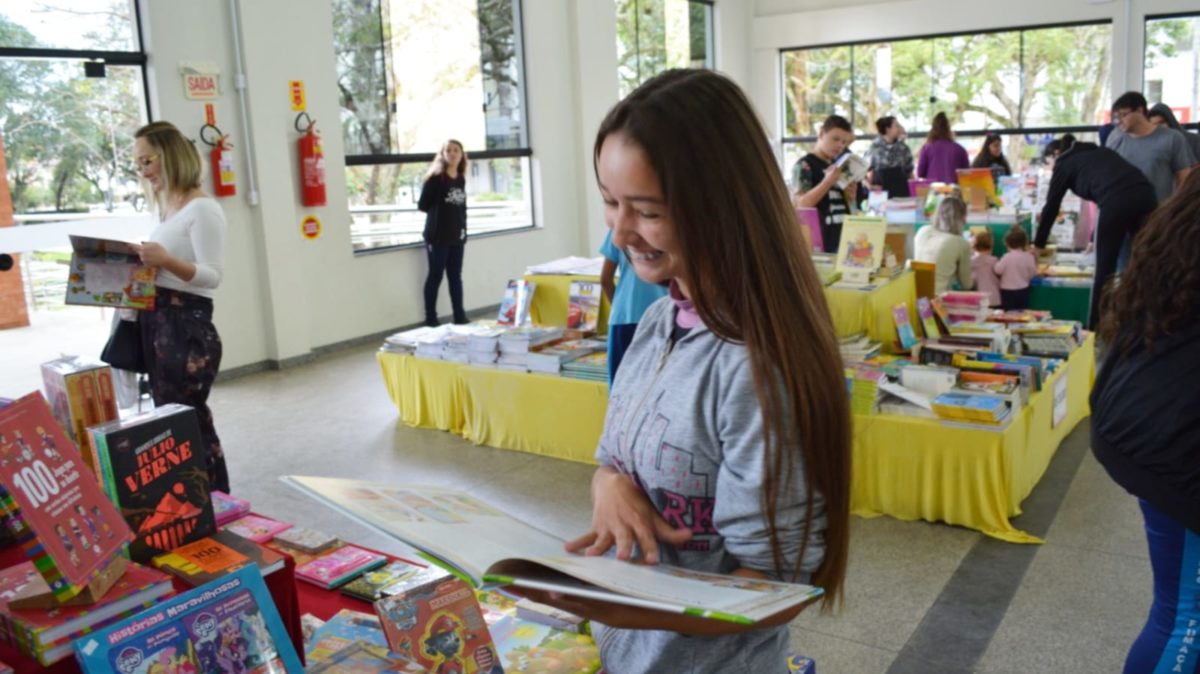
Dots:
pixel 200 86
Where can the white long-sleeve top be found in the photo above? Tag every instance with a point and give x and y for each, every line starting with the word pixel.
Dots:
pixel 195 233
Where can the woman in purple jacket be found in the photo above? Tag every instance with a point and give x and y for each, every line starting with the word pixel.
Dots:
pixel 941 156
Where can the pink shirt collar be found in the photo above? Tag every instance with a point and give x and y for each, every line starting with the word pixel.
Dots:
pixel 685 316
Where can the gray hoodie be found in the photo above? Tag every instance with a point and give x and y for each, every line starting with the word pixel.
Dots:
pixel 685 422
pixel 1164 111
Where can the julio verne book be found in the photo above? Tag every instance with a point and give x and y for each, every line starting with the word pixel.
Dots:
pixel 153 466
pixel 228 625
pixel 489 548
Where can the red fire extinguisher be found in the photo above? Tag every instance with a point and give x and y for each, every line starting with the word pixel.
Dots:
pixel 312 167
pixel 224 182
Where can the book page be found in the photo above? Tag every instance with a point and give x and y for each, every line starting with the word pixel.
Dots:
pixel 107 277
pixel 450 525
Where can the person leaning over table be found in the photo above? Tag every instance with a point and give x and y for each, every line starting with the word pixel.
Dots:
pixel 1145 429
pixel 815 177
pixel 1123 194
pixel 180 343
pixel 716 404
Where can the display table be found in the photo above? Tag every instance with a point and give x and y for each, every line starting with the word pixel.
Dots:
pixel 870 311
pixel 551 296
pixel 913 468
pixel 499 408
pixel 1069 303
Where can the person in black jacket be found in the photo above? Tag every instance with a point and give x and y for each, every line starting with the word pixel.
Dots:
pixel 1122 192
pixel 1145 429
pixel 444 201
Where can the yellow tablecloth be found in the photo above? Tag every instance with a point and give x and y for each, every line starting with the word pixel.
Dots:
pixel 905 467
pixel 498 408
pixel 870 311
pixel 550 298
pixel 913 468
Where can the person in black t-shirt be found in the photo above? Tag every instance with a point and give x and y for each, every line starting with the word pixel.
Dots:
pixel 815 180
pixel 444 201
pixel 991 156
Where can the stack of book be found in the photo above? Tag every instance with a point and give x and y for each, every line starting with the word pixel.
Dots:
pixel 516 344
pixel 1054 339
pixel 407 341
pixel 981 409
pixel 455 348
pixel 208 559
pixel 45 634
pixel 966 306
pixel 550 359
pixel 862 383
pixel 484 347
pixel 228 508
pixel 857 348
pixel 592 367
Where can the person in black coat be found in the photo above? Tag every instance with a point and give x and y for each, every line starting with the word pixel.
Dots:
pixel 1122 192
pixel 1145 428
pixel 444 202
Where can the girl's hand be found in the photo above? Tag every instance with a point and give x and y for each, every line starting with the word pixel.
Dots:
pixel 622 516
pixel 153 254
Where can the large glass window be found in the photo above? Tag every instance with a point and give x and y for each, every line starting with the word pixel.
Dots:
pixel 412 75
pixel 655 35
pixel 72 93
pixel 1172 65
pixel 1023 84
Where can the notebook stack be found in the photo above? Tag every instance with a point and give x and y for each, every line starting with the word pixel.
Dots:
pixel 592 367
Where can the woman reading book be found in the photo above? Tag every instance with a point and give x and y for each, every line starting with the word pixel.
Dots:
pixel 726 443
pixel 180 342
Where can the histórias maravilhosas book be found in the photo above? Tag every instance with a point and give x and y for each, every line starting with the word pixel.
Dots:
pixel 490 548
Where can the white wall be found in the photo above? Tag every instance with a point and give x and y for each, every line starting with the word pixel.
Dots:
pixel 284 296
pixel 799 23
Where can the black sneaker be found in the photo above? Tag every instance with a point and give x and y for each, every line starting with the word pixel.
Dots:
pixel 461 320
pixel 432 322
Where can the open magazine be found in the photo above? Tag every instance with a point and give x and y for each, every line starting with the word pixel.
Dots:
pixel 490 548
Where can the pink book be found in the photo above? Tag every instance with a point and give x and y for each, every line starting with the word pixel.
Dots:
pixel 257 528
pixel 228 508
pixel 339 566
pixel 811 218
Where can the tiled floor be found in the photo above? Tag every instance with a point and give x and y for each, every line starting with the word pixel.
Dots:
pixel 1071 605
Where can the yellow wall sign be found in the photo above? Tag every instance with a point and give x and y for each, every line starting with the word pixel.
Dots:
pixel 296 88
pixel 310 227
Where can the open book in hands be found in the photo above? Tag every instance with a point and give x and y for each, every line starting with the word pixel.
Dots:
pixel 853 167
pixel 489 548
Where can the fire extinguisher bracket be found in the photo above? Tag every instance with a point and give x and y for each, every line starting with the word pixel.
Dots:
pixel 308 122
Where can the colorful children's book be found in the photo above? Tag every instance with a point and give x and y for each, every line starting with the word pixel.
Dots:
pixel 228 508
pixel 339 566
pixel 108 273
pixel 344 628
pixel 216 556
pixel 53 506
pixel 518 298
pixel 967 407
pixel 434 619
pixel 377 583
pixel 928 320
pixel 257 528
pixel 230 624
pixel 904 328
pixel 299 557
pixel 530 648
pixel 80 391
pixel 37 628
pixel 583 305
pixel 488 546
pixel 154 467
pixel 359 658
pixel 307 540
pixel 861 250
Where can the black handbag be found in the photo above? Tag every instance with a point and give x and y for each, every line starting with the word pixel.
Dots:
pixel 124 348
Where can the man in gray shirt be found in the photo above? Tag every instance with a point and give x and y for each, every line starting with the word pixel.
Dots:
pixel 1159 152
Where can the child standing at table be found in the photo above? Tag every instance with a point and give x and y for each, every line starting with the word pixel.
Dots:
pixel 726 444
pixel 1016 269
pixel 983 266
pixel 628 299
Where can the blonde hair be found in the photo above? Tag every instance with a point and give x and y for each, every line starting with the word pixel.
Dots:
pixel 179 159
pixel 951 215
pixel 438 166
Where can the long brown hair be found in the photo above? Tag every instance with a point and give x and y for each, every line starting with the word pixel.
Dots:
pixel 1159 292
pixel 940 129
pixel 752 283
pixel 439 166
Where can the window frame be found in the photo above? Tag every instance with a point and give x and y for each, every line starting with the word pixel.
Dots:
pixel 710 37
pixel 1195 126
pixel 967 133
pixel 391 159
